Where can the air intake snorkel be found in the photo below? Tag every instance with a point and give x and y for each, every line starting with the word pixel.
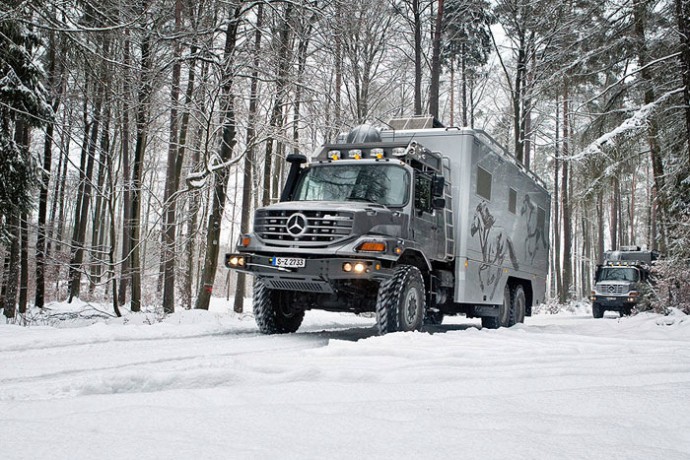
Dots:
pixel 296 161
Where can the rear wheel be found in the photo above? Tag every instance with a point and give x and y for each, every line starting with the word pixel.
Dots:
pixel 275 311
pixel 401 301
pixel 504 313
pixel 518 305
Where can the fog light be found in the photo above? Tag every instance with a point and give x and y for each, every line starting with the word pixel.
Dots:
pixel 359 267
pixel 347 267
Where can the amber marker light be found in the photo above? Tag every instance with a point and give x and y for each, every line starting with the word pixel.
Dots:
pixel 372 246
pixel 245 241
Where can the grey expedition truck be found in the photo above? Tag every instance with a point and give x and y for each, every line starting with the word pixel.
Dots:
pixel 412 223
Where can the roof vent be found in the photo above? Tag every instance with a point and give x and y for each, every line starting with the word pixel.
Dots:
pixel 363 134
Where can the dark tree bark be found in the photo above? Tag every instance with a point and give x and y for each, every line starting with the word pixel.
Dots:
pixel 417 26
pixel 54 84
pixel 23 264
pixel 84 198
pixel 565 203
pixel 172 178
pixel 249 155
pixel 683 18
pixel 11 272
pixel 640 17
pixel 556 210
pixel 126 181
pixel 221 175
pixel 142 125
pixel 436 63
pixel 98 223
pixel 271 162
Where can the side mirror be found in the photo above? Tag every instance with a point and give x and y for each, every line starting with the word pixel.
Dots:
pixel 437 186
pixel 438 203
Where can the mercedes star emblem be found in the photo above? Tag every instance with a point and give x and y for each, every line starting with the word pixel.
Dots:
pixel 297 224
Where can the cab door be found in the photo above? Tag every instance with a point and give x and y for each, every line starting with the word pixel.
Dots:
pixel 427 224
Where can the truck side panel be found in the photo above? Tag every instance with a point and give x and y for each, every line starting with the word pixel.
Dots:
pixel 502 216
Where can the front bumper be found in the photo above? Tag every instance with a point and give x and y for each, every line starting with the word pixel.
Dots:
pixel 319 275
pixel 614 302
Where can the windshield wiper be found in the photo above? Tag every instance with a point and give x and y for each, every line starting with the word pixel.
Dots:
pixel 359 198
pixel 365 200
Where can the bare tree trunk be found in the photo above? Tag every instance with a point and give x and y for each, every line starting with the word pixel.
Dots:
pixel 556 211
pixel 58 187
pixel 172 178
pixel 565 204
pixel 221 175
pixel 640 18
pixel 24 264
pixel 99 217
pixel 145 91
pixel 683 18
pixel 11 272
pixel 600 227
pixel 615 204
pixel 338 56
pixel 417 24
pixel 54 84
pixel 284 59
pixel 127 184
pixel 240 292
pixel 84 201
pixel 436 63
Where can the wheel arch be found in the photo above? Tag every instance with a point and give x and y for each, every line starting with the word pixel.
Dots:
pixel 418 259
pixel 415 258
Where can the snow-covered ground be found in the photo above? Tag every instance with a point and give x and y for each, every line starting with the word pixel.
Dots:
pixel 205 385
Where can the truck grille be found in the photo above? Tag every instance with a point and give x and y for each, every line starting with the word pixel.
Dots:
pixel 304 228
pixel 615 289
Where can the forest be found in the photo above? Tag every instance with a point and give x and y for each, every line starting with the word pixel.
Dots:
pixel 137 137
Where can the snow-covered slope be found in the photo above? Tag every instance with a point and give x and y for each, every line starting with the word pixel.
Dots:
pixel 207 385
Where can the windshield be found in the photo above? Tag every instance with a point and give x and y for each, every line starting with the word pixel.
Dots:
pixel 618 274
pixel 388 185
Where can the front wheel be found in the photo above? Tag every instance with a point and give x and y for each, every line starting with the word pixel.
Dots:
pixel 275 312
pixel 401 301
pixel 597 311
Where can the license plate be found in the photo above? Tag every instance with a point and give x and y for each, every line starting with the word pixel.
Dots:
pixel 611 298
pixel 288 262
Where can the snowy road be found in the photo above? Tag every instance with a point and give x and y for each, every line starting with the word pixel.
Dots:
pixel 203 385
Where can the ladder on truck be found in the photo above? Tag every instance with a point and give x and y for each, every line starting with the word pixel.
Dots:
pixel 448 211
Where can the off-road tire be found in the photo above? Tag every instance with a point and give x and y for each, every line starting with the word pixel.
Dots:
pixel 274 311
pixel 518 304
pixel 597 311
pixel 504 313
pixel 401 301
